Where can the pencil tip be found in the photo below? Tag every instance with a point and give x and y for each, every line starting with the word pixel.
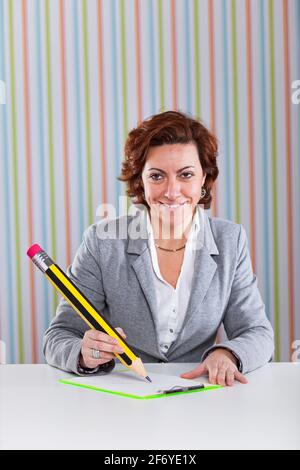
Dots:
pixel 148 378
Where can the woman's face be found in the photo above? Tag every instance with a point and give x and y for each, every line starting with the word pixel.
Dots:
pixel 172 179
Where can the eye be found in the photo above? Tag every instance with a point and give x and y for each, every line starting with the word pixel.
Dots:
pixel 155 176
pixel 187 175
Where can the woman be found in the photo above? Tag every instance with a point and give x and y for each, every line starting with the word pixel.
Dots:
pixel 173 285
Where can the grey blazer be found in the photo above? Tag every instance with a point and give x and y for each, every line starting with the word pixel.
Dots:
pixel 116 275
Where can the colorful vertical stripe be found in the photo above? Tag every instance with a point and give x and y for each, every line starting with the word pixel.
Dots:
pixel 87 107
pixel 50 134
pixel 65 124
pixel 274 178
pixel 264 151
pixel 138 60
pixel 79 74
pixel 174 54
pixel 250 130
pixel 102 103
pixel 289 178
pixel 212 81
pixel 235 110
pixel 29 185
pixel 7 328
pixel 226 124
pixel 15 176
pixel 39 80
pixel 197 62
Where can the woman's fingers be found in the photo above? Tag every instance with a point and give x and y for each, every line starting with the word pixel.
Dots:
pixel 240 377
pixel 221 370
pixel 197 372
pixel 100 336
pixel 121 332
pixel 103 347
pixel 222 374
pixel 90 362
pixel 212 373
pixel 102 342
pixel 86 360
pixel 230 377
pixel 225 375
pixel 103 354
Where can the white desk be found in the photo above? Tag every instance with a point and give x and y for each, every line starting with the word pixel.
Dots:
pixel 37 412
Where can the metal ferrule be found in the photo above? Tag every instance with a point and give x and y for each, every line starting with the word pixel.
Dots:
pixel 42 261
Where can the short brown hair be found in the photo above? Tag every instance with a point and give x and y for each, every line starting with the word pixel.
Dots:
pixel 169 127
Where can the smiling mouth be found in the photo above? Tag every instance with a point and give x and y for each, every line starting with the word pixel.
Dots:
pixel 173 206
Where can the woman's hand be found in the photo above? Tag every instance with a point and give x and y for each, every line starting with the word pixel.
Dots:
pixel 102 342
pixel 221 367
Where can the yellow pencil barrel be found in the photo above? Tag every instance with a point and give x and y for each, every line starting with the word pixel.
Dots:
pixel 81 304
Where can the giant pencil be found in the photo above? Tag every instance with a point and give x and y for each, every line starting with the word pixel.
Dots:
pixel 84 307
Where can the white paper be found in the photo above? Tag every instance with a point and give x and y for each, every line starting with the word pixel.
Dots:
pixel 129 383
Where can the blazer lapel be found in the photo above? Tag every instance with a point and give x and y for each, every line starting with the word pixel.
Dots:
pixel 204 271
pixel 142 267
pixel 205 268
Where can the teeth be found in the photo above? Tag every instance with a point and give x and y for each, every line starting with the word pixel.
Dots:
pixel 174 206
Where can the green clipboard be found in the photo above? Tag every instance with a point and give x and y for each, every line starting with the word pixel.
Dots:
pixel 125 384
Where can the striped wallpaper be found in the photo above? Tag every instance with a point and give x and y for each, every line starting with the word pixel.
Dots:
pixel 80 73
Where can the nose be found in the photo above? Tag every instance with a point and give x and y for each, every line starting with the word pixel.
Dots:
pixel 173 190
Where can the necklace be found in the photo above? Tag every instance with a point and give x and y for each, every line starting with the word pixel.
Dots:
pixel 173 250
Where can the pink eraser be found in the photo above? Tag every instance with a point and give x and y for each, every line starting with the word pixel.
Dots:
pixel 33 250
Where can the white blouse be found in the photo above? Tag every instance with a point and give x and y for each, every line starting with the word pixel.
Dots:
pixel 172 303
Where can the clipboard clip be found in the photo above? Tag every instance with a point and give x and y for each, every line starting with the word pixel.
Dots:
pixel 177 389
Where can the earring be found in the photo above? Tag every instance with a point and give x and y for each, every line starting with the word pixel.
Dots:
pixel 203 192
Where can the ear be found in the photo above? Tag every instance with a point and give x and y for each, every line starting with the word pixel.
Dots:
pixel 204 178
